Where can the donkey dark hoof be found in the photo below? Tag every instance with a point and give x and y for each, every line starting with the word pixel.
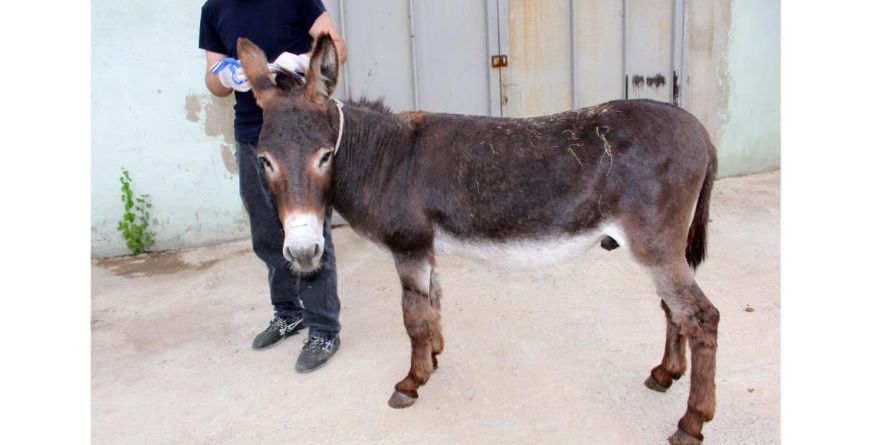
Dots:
pixel 652 384
pixel 400 400
pixel 681 438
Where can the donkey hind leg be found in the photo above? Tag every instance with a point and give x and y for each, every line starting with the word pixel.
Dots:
pixel 673 364
pixel 436 293
pixel 421 303
pixel 696 319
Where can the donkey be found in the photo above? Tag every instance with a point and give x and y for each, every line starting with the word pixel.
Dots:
pixel 516 192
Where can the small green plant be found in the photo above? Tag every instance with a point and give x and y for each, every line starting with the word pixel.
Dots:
pixel 136 214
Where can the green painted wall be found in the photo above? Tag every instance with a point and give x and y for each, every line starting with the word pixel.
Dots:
pixel 751 138
pixel 152 114
pixel 733 80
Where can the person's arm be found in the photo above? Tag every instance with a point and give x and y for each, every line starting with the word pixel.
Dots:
pixel 324 24
pixel 212 82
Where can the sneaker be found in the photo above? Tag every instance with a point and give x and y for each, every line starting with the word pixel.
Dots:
pixel 277 330
pixel 315 353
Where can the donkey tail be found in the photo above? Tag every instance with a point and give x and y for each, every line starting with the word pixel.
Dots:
pixel 697 242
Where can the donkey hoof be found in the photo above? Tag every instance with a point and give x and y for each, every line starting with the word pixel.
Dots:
pixel 401 400
pixel 652 384
pixel 681 438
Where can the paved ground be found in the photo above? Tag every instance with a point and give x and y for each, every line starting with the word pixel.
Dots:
pixel 556 355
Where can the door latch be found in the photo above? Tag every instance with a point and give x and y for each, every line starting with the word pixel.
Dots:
pixel 500 60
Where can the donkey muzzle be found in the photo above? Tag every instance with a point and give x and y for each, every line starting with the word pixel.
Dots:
pixel 303 242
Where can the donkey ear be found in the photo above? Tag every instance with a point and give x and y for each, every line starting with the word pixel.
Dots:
pixel 322 75
pixel 255 66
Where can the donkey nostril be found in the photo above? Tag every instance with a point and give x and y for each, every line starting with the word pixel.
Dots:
pixel 316 249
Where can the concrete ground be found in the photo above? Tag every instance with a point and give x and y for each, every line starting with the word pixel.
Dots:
pixel 556 355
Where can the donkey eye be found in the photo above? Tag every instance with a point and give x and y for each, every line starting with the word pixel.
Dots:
pixel 266 164
pixel 325 158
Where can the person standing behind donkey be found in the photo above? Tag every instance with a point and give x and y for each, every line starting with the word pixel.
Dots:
pixel 283 29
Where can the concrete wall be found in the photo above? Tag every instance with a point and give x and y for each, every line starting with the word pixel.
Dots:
pixel 152 115
pixel 751 139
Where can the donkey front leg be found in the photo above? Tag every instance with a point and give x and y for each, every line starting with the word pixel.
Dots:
pixel 421 315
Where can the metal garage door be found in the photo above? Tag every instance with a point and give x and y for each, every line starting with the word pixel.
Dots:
pixel 574 53
pixel 550 55
pixel 650 49
pixel 420 54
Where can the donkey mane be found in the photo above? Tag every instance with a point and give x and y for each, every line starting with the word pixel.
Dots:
pixel 378 105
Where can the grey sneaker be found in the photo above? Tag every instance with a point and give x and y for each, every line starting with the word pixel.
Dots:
pixel 277 330
pixel 315 353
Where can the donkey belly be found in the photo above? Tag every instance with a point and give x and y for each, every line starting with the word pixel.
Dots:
pixel 525 253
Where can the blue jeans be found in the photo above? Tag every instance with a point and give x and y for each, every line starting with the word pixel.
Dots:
pixel 314 297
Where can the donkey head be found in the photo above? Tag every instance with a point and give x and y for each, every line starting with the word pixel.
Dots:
pixel 296 145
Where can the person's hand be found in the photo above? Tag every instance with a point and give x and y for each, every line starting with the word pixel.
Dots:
pixel 293 62
pixel 231 75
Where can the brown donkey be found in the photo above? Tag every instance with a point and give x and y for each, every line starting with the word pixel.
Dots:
pixel 517 192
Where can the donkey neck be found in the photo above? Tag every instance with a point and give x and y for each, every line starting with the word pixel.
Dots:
pixel 374 143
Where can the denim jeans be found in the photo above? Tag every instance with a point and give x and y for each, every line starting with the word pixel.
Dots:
pixel 314 297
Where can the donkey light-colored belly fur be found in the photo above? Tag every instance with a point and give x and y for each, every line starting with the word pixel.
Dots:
pixel 528 253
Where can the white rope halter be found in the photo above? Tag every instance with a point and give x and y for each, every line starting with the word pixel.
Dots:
pixel 341 125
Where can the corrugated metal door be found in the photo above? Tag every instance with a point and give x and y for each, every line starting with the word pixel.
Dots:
pixel 599 51
pixel 567 54
pixel 561 54
pixel 419 54
pixel 452 56
pixel 648 42
pixel 538 79
pixel 379 61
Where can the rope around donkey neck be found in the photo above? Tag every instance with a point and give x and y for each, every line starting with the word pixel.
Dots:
pixel 341 125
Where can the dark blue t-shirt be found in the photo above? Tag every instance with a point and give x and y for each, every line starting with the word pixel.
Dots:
pixel 274 25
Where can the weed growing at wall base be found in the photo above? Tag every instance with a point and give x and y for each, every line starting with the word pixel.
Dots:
pixel 136 214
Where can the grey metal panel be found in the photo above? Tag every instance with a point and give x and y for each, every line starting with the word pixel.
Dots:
pixel 562 53
pixel 493 46
pixel 573 44
pixel 599 51
pixel 679 43
pixel 504 45
pixel 649 61
pixel 379 56
pixel 452 56
pixel 416 99
pixel 539 76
